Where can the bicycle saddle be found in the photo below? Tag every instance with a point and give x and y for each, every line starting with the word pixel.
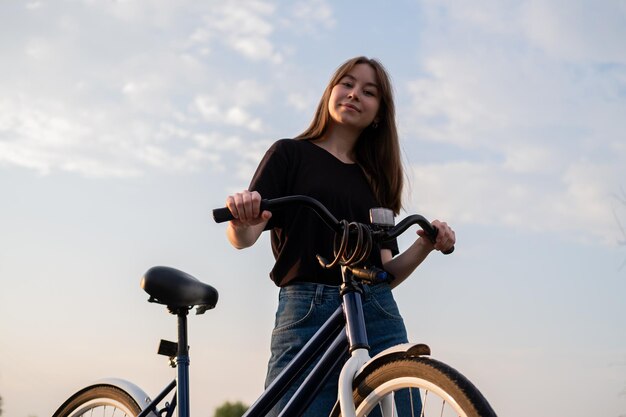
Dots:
pixel 178 290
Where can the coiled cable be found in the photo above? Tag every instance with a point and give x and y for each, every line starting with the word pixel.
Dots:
pixel 351 247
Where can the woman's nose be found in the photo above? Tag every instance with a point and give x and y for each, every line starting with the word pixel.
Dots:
pixel 353 94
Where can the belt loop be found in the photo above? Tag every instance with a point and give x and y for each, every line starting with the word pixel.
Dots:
pixel 367 291
pixel 319 294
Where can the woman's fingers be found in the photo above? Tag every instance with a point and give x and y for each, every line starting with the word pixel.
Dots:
pixel 446 238
pixel 245 206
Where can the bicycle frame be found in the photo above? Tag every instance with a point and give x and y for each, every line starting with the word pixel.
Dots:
pixel 343 332
pixel 331 338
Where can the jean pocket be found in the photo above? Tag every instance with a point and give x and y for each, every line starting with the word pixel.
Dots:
pixel 292 311
pixel 386 305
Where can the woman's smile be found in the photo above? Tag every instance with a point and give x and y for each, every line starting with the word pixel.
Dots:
pixel 351 107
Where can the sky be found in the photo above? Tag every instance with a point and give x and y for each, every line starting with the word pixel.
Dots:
pixel 124 123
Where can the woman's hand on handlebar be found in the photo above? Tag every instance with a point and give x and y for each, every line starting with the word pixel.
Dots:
pixel 404 264
pixel 249 220
pixel 246 209
pixel 446 238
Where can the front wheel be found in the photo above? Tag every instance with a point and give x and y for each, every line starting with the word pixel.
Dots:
pixel 99 401
pixel 417 386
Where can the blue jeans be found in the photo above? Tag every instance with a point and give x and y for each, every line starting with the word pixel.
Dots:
pixel 303 308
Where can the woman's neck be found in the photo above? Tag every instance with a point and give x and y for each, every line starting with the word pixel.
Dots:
pixel 340 143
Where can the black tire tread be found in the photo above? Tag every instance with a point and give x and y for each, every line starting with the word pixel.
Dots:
pixel 93 392
pixel 440 374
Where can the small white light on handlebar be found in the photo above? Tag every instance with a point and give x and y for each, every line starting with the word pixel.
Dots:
pixel 382 217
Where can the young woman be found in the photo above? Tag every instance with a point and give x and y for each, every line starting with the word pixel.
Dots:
pixel 348 159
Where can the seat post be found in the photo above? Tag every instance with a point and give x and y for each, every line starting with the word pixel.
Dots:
pixel 182 364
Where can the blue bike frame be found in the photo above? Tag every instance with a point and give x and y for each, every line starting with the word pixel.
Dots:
pixel 343 332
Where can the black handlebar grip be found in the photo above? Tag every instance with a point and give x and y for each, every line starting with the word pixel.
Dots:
pixel 433 237
pixel 221 215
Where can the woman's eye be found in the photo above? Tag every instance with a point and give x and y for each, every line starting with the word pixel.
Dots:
pixel 370 93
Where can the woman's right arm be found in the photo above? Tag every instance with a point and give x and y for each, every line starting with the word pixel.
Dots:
pixel 249 222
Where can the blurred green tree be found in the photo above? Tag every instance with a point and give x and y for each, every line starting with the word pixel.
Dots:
pixel 229 409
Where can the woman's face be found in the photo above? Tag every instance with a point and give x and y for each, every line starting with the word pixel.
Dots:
pixel 355 99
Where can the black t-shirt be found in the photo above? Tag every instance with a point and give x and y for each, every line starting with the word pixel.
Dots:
pixel 299 167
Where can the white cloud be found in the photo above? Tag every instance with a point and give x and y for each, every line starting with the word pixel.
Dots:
pixel 547 118
pixel 248 153
pixel 244 26
pixel 208 108
pixel 214 113
pixel 303 101
pixel 39 49
pixel 219 141
pixel 190 160
pixel 246 92
pixel 160 13
pixel 147 93
pixel 576 203
pixel 581 30
pixel 186 86
pixel 311 16
pixel 239 117
pixel 577 30
pixel 34 5
pixel 445 107
pixel 230 104
pixel 35 137
pixel 529 158
pixel 104 93
pixel 47 136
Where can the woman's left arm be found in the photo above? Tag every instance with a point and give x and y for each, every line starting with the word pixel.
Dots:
pixel 405 263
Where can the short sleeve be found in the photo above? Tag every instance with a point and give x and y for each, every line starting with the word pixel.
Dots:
pixel 271 177
pixel 392 246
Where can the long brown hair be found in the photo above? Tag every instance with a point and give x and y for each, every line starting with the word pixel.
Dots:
pixel 377 150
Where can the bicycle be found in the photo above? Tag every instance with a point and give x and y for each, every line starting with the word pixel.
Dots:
pixel 401 373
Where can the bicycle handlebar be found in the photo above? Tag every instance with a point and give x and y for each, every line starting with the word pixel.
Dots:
pixel 223 214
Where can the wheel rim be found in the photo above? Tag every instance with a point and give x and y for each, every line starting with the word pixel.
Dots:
pixel 102 408
pixel 435 400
